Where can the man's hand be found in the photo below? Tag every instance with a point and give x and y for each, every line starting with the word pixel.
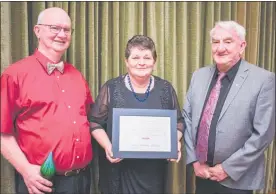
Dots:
pixel 201 170
pixel 109 154
pixel 35 183
pixel 178 153
pixel 217 173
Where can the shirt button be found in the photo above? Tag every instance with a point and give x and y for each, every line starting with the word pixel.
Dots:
pixel 78 157
pixel 77 139
pixel 58 77
pixel 69 106
pixel 63 90
pixel 74 122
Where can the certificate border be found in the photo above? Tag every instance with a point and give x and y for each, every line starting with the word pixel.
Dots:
pixel 117 112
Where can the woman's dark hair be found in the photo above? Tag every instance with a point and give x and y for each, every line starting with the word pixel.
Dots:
pixel 143 42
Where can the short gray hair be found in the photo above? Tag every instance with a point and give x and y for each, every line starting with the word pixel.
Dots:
pixel 230 25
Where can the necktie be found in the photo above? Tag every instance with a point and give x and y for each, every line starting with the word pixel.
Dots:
pixel 51 67
pixel 205 123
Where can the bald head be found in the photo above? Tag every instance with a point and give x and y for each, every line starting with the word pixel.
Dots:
pixel 52 14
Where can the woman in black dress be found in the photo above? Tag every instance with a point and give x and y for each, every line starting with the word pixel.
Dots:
pixel 136 89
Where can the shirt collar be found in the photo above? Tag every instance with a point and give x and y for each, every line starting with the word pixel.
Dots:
pixel 42 59
pixel 231 73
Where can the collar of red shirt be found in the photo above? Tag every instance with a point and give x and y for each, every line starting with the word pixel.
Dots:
pixel 43 60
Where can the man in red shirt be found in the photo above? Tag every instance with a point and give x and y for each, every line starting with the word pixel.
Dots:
pixel 44 108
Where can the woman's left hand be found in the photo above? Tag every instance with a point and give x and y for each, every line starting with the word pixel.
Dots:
pixel 178 155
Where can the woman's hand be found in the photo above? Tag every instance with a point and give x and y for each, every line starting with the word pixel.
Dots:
pixel 178 154
pixel 109 154
pixel 102 138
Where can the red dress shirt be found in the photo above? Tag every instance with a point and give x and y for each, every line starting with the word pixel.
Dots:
pixel 47 112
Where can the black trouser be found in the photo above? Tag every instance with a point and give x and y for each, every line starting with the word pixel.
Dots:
pixel 77 184
pixel 205 186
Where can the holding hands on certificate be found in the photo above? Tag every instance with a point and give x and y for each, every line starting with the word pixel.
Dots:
pixel 134 91
pixel 179 135
pixel 109 154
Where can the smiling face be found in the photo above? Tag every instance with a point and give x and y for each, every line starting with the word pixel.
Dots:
pixel 227 47
pixel 140 62
pixel 50 42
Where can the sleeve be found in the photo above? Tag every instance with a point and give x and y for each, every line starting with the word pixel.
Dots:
pixel 263 133
pixel 180 119
pixel 89 100
pixel 188 137
pixel 9 109
pixel 99 109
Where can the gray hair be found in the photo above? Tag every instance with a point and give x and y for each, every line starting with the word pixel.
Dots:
pixel 230 25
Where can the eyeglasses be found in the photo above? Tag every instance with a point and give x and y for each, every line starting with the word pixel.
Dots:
pixel 56 29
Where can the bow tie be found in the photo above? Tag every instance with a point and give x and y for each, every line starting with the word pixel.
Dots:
pixel 51 67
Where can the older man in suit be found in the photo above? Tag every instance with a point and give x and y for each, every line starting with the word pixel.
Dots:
pixel 230 116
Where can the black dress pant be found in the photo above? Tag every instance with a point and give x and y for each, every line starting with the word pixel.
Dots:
pixel 205 186
pixel 77 184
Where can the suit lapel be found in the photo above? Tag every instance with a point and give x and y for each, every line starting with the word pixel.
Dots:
pixel 237 84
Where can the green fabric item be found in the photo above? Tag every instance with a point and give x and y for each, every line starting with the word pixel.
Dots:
pixel 48 169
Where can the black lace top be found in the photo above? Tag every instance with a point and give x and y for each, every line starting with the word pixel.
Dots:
pixel 132 175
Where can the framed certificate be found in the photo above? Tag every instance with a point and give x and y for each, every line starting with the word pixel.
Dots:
pixel 144 133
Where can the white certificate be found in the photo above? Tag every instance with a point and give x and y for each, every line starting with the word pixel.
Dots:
pixel 145 134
